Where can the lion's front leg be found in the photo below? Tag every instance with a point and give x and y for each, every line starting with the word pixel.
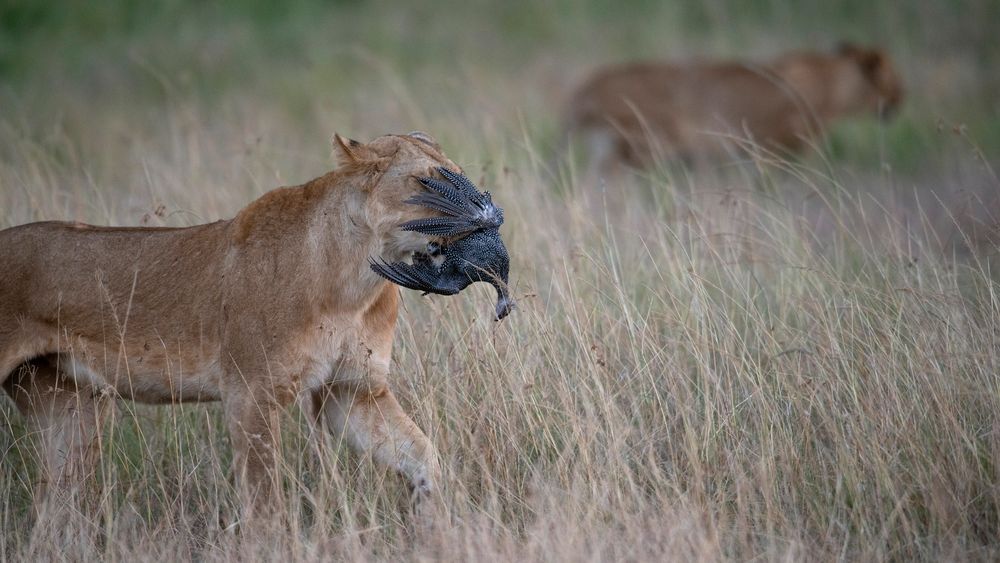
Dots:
pixel 372 422
pixel 253 415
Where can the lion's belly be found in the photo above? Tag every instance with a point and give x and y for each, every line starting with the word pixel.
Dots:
pixel 197 383
pixel 145 375
pixel 152 371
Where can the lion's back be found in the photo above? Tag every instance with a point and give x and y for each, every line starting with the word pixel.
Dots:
pixel 49 263
pixel 680 103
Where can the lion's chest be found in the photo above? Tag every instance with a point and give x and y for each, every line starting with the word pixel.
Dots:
pixel 337 351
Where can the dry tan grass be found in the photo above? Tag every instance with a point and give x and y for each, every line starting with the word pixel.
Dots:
pixel 703 369
pixel 773 360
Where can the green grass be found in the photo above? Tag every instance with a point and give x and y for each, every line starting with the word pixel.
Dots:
pixel 778 359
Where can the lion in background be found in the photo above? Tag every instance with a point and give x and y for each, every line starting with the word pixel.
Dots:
pixel 275 306
pixel 637 112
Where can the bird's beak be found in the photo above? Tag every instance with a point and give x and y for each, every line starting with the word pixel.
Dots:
pixel 504 303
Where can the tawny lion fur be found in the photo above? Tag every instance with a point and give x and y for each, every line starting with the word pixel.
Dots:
pixel 632 113
pixel 275 305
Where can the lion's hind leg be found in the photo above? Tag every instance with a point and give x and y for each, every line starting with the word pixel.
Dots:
pixel 65 419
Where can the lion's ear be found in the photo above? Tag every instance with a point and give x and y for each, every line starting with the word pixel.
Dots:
pixel 350 152
pixel 424 138
pixel 873 62
pixel 870 61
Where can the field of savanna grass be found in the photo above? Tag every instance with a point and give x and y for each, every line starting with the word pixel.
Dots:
pixel 772 358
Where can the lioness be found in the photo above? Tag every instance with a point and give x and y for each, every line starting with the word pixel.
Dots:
pixel 633 112
pixel 277 304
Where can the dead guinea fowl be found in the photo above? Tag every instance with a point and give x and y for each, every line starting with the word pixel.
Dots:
pixel 473 252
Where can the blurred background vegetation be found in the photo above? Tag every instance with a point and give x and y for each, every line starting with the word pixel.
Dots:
pixel 371 67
